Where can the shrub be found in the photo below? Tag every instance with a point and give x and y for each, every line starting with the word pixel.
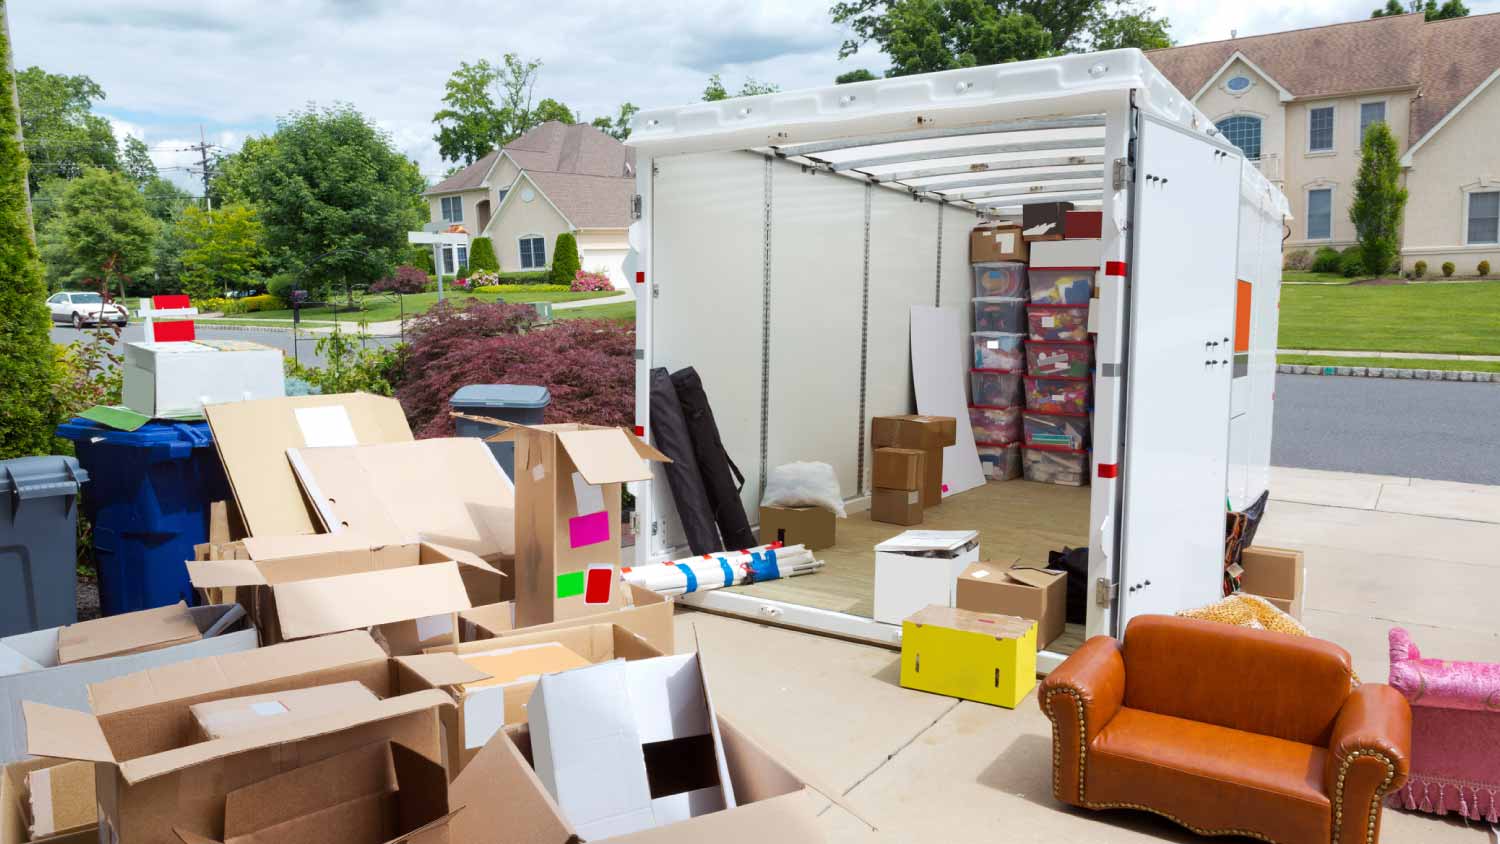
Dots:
pixel 1379 199
pixel 1297 259
pixel 1484 268
pixel 351 366
pixel 463 273
pixel 213 304
pixel 588 365
pixel 482 255
pixel 1326 260
pixel 1419 269
pixel 408 279
pixel 1448 269
pixel 253 304
pixel 512 289
pixel 281 286
pixel 1352 262
pixel 587 282
pixel 565 263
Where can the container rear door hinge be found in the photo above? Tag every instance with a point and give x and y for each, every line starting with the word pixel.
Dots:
pixel 655 526
pixel 1105 592
pixel 655 291
pixel 1124 174
pixel 635 207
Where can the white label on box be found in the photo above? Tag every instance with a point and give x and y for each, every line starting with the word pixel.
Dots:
pixel 913 497
pixel 590 498
pixel 42 821
pixel 267 708
pixel 981 573
pixel 434 626
pixel 539 471
pixel 992 344
pixel 1048 322
pixel 1006 240
pixel 325 426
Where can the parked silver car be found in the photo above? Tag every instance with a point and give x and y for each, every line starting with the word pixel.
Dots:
pixel 80 309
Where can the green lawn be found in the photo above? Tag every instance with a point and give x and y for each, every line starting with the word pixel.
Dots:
pixel 1438 318
pixel 1313 278
pixel 618 311
pixel 383 308
pixel 1391 363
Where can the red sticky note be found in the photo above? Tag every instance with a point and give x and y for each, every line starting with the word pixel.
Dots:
pixel 588 530
pixel 601 579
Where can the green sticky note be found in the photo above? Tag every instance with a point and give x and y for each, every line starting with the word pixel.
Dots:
pixel 570 584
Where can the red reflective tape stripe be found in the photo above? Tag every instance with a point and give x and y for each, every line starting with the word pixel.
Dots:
pixel 173 332
pixel 1114 268
pixel 640 276
pixel 640 430
pixel 170 302
pixel 1109 470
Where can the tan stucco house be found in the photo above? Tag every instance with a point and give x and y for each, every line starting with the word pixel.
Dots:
pixel 1297 102
pixel 555 178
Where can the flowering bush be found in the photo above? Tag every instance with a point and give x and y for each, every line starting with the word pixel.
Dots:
pixel 588 365
pixel 504 289
pixel 587 282
pixel 484 278
pixel 408 279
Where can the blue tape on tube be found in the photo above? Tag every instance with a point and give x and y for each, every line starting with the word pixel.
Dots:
pixel 728 572
pixel 764 565
pixel 692 579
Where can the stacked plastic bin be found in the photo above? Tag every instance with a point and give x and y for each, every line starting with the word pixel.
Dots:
pixel 1059 364
pixel 996 382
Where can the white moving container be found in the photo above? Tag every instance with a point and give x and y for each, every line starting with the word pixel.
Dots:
pixel 783 238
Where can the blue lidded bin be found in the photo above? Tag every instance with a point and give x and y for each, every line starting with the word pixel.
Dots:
pixel 149 494
pixel 523 404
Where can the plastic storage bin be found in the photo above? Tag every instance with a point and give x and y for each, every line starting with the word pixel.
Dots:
pixel 1065 429
pixel 1058 323
pixel 1068 360
pixel 1051 464
pixel 998 425
pixel 995 388
pixel 1057 395
pixel 995 350
pixel 38 543
pixel 1004 278
pixel 1065 286
pixel 148 496
pixel 1000 462
pixel 1000 313
pixel 519 403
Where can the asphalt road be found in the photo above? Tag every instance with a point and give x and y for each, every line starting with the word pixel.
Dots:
pixel 1441 430
pixel 306 345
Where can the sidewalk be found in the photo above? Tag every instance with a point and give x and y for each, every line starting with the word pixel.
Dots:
pixel 1391 355
pixel 1380 552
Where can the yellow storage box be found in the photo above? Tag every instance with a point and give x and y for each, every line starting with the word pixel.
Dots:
pixel 976 656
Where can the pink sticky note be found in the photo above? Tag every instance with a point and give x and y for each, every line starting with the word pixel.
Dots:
pixel 588 530
pixel 945 487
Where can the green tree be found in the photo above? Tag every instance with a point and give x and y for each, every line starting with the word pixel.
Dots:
pixel 565 262
pixel 860 75
pixel 488 105
pixel 715 90
pixel 1429 8
pixel 335 197
pixel 164 200
pixel 62 134
pixel 1379 199
pixel 550 109
pixel 1118 29
pixel 27 363
pixel 135 161
pixel 482 256
pixel 166 275
pixel 230 174
pixel 101 221
pixel 221 250
pixel 617 127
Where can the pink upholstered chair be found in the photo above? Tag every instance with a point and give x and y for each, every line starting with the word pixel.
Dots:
pixel 1455 733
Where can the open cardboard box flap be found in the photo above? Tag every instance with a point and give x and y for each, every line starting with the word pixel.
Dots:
pixel 602 455
pixel 128 633
pixel 442 669
pixel 289 559
pixel 64 733
pixel 1039 578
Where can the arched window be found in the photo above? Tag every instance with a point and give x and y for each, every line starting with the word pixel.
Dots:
pixel 1243 131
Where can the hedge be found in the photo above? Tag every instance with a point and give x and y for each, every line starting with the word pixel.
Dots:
pixel 565 262
pixel 482 255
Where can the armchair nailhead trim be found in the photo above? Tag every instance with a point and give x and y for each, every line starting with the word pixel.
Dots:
pixel 1083 741
pixel 1375 801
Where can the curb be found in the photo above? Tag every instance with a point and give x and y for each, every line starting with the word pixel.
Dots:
pixel 1383 372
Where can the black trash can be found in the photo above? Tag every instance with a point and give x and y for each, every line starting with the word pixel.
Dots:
pixel 39 543
pixel 523 404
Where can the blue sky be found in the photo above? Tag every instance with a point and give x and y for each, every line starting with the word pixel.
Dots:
pixel 170 65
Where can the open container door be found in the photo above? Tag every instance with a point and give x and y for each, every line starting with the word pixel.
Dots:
pixel 1185 226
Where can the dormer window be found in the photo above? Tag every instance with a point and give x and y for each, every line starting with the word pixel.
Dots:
pixel 1237 84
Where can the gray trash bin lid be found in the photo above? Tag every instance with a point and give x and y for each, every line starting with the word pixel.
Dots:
pixel 477 396
pixel 41 477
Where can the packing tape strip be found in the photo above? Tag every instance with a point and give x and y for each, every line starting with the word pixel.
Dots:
pixel 728 572
pixel 692 579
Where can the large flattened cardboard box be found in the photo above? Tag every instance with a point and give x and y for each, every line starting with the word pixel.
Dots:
pixel 252 438
pixel 48 801
pixel 975 656
pixel 178 379
pixel 929 434
pixel 1022 591
pixel 1274 574
pixel 814 527
pixel 568 479
pixel 153 779
pixel 29 667
pixel 301 586
pixel 491 681
pixel 918 568
pixel 997 242
pixel 646 614
pixel 380 793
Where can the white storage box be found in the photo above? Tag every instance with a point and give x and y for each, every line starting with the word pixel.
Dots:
pixel 178 379
pixel 920 568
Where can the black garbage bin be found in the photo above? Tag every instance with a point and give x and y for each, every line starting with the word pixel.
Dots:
pixel 523 404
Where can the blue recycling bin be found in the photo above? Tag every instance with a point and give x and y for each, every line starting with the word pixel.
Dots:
pixel 523 404
pixel 148 496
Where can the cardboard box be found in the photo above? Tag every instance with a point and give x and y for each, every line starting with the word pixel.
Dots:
pixel 629 746
pixel 1022 591
pixel 899 468
pixel 1083 225
pixel 996 242
pixel 178 379
pixel 449 490
pixel 896 506
pixel 252 438
pixel 239 715
pixel 300 586
pixel 1274 574
pixel 814 527
pixel 491 681
pixel 1043 218
pixel 153 779
pixel 918 568
pixel 136 632
pixel 975 656
pixel 647 615
pixel 930 434
pixel 29 669
pixel 24 815
pixel 568 516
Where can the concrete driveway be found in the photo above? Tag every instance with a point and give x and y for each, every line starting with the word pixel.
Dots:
pixel 1381 551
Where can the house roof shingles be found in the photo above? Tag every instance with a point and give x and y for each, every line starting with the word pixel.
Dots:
pixel 587 174
pixel 1443 60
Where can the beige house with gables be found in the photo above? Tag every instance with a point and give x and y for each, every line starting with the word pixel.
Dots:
pixel 555 178
pixel 1297 103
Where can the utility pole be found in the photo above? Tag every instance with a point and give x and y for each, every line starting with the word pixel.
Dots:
pixel 202 148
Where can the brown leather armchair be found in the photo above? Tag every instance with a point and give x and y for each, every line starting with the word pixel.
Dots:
pixel 1226 731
